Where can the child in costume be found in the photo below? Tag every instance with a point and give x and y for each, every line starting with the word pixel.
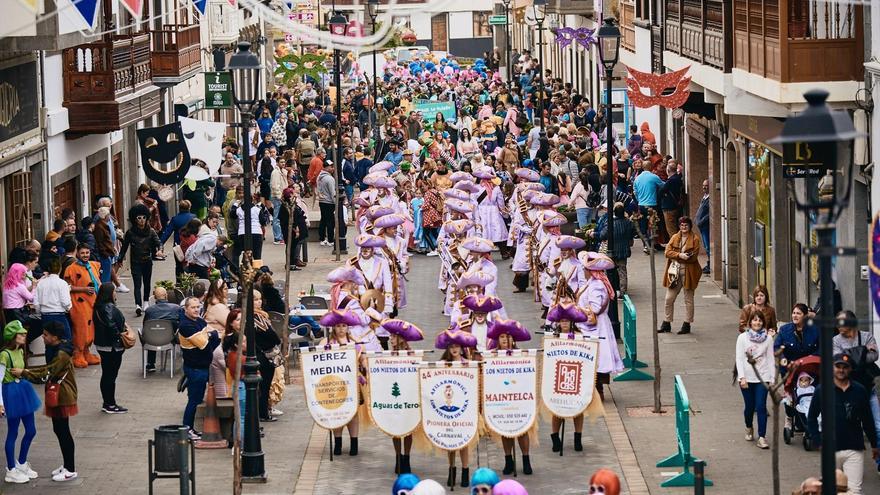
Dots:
pixel 564 319
pixel 478 316
pixel 18 402
pixel 454 344
pixel 402 333
pixel 339 321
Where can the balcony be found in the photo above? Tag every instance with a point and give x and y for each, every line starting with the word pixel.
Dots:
pixel 224 21
pixel 627 26
pixel 794 41
pixel 695 30
pixel 108 84
pixel 570 7
pixel 176 54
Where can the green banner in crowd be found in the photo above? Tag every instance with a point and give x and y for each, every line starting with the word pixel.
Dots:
pixel 430 108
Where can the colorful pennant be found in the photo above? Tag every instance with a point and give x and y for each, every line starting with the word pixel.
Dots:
pixel 134 7
pixel 668 90
pixel 32 5
pixel 201 5
pixel 88 9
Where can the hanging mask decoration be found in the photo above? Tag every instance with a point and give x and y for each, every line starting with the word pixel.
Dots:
pixel 584 36
pixel 874 263
pixel 164 154
pixel 668 90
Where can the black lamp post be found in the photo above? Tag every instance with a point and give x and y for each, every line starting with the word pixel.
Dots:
pixel 539 7
pixel 507 40
pixel 609 49
pixel 817 148
pixel 246 78
pixel 338 25
pixel 372 7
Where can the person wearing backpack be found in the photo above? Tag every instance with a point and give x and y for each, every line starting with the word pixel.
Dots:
pixel 513 121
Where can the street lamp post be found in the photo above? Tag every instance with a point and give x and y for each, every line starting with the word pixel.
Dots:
pixel 338 25
pixel 373 12
pixel 507 40
pixel 246 77
pixel 609 48
pixel 539 7
pixel 817 148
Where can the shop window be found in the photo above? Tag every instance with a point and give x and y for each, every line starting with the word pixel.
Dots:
pixel 482 29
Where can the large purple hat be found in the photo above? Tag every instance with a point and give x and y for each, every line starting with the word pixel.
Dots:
pixel 339 317
pixel 460 176
pixel 529 194
pixel 544 199
pixel 389 221
pixel 452 336
pixel 484 173
pixel 346 274
pixel 369 241
pixel 527 174
pixel 361 201
pixel 457 194
pixel 570 242
pixel 534 186
pixel 568 312
pixel 371 179
pixel 595 261
pixel 459 206
pixel 477 245
pixel 515 329
pixel 377 211
pixel 475 278
pixel 404 329
pixel 551 218
pixel 458 227
pixel 382 166
pixel 466 185
pixel 482 304
pixel 385 183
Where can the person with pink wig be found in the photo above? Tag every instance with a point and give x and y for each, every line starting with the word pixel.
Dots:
pixel 16 294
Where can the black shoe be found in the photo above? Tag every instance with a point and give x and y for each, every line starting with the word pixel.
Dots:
pixel 527 465
pixel 268 419
pixel 508 465
pixel 353 450
pixel 293 268
pixel 450 480
pixel 404 465
pixel 557 443
pixel 665 327
pixel 578 446
pixel 397 464
pixel 685 329
pixel 337 445
pixel 151 368
pixel 465 477
pixel 706 270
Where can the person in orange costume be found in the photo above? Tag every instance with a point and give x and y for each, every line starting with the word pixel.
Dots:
pixel 84 278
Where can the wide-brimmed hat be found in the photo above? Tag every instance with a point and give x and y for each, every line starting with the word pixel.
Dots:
pixel 515 329
pixel 527 174
pixel 457 194
pixel 484 173
pixel 595 261
pixel 481 279
pixel 477 245
pixel 482 304
pixel 552 218
pixel 384 183
pixel 339 317
pixel 466 185
pixel 544 199
pixel 530 186
pixel 377 211
pixel 567 312
pixel 372 177
pixel 346 274
pixel 570 242
pixel 369 241
pixel 389 221
pixel 404 329
pixel 458 227
pixel 461 175
pixel 451 336
pixel 382 166
pixel 459 205
pixel 529 194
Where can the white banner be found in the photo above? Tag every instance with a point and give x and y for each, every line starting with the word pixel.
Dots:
pixel 204 140
pixel 450 404
pixel 568 376
pixel 394 393
pixel 510 404
pixel 330 380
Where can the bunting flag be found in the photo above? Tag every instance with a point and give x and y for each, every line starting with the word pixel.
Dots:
pixel 134 7
pixel 234 3
pixel 32 5
pixel 88 9
pixel 201 6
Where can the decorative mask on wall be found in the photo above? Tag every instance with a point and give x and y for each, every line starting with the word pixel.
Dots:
pixel 585 37
pixel 668 90
pixel 164 154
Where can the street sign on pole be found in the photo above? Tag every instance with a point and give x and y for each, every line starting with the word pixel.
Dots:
pixel 497 20
pixel 218 90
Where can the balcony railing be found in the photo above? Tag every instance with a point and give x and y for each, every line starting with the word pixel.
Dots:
pixel 104 80
pixel 695 30
pixel 627 28
pixel 799 40
pixel 176 53
pixel 570 7
pixel 225 22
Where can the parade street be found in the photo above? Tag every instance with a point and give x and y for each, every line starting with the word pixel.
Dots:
pixel 112 449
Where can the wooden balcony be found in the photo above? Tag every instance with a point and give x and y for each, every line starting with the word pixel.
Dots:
pixel 224 23
pixel 176 54
pixel 570 7
pixel 627 26
pixel 695 30
pixel 108 84
pixel 799 40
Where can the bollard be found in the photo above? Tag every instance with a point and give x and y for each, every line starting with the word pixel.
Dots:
pixel 699 480
pixel 183 453
pixel 630 339
pixel 683 457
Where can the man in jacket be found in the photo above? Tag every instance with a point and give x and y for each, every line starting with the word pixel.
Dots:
pixel 197 344
pixel 200 256
pixel 623 240
pixel 671 195
pixel 230 166
pixel 277 184
pixel 316 165
pixel 161 309
pixel 326 187
pixel 702 218
pixel 362 165
pixel 177 222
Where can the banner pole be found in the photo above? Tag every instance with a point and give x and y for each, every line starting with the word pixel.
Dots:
pixel 561 438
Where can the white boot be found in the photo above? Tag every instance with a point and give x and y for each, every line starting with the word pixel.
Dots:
pixel 26 469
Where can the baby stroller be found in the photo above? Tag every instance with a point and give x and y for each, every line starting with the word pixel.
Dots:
pixel 798 397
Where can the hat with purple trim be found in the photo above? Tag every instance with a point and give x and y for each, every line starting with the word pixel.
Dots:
pixel 389 221
pixel 482 304
pixel 595 262
pixel 544 199
pixel 452 336
pixel 570 242
pixel 383 166
pixel 527 174
pixel 477 245
pixel 371 179
pixel 484 173
pixel 567 312
pixel 377 211
pixel 466 185
pixel 457 194
pixel 552 218
pixel 339 317
pixel 346 274
pixel 481 279
pixel 515 329
pixel 460 176
pixel 459 205
pixel 458 227
pixel 369 241
pixel 404 329
pixel 385 183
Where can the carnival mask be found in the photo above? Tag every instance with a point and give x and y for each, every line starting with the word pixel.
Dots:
pixel 164 154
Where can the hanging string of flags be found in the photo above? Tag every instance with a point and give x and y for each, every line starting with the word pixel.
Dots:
pixel 88 9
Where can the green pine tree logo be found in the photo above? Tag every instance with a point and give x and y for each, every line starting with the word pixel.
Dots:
pixel 395 390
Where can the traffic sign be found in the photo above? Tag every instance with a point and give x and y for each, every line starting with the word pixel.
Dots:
pixel 218 90
pixel 495 20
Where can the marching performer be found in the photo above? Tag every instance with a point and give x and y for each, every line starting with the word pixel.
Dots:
pixel 479 258
pixel 594 298
pixel 338 322
pixel 524 231
pixel 378 289
pixel 374 212
pixel 504 335
pixel 565 317
pixel 453 257
pixel 395 253
pixel 567 269
pixel 402 333
pixel 548 252
pixel 470 283
pixel 455 344
pixel 477 317
pixel 345 296
pixel 490 209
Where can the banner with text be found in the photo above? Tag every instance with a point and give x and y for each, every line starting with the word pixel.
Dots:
pixel 450 404
pixel 330 380
pixel 568 375
pixel 394 393
pixel 510 404
pixel 430 108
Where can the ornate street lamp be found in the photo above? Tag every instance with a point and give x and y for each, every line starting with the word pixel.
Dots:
pixel 539 8
pixel 506 4
pixel 373 12
pixel 338 26
pixel 246 82
pixel 818 149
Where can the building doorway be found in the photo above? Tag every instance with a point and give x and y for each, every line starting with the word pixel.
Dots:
pixel 66 195
pixel 440 32
pixel 731 222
